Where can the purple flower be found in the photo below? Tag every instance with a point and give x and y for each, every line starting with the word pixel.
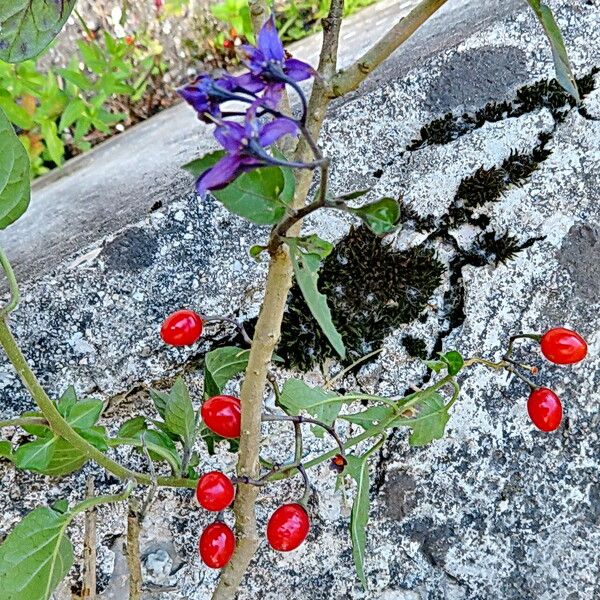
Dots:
pixel 245 146
pixel 268 62
pixel 205 94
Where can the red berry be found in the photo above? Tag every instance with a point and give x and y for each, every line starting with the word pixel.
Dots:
pixel 563 346
pixel 288 527
pixel 545 409
pixel 215 491
pixel 182 328
pixel 223 416
pixel 216 545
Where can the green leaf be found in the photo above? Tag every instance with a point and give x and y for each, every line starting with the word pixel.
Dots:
pixel 35 556
pixel 67 401
pixel 15 189
pixel 289 179
pixel 255 251
pixel 56 148
pixel 430 423
pixel 132 427
pixel 370 418
pixel 6 449
pixel 159 446
pixel 37 430
pixel 358 469
pixel 28 26
pixel 313 244
pixel 61 506
pixel 95 436
pixel 256 195
pixel 435 365
pixel 322 405
pixel 15 113
pixel 562 65
pixel 65 459
pixel 36 456
pixel 85 413
pixel 180 417
pixel 306 269
pixel 381 216
pixel 75 109
pixel 454 361
pixel 160 400
pixel 221 365
pixel 77 78
pixel 353 195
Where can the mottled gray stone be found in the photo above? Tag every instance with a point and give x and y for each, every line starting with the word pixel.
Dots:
pixel 494 510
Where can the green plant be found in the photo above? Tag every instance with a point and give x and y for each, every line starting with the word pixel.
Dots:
pixel 64 111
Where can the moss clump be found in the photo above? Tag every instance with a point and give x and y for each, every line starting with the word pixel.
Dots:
pixel 529 98
pixel 493 248
pixel 371 290
pixel 416 347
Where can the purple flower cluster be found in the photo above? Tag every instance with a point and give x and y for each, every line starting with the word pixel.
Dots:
pixel 260 89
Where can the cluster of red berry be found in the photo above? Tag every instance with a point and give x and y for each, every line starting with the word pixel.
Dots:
pixel 288 526
pixel 562 347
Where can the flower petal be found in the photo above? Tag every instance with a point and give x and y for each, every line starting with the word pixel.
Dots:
pixel 256 60
pixel 269 42
pixel 276 129
pixel 230 135
pixel 272 96
pixel 297 70
pixel 248 82
pixel 220 174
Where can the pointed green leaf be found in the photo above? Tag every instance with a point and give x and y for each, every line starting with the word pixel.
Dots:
pixel 28 26
pixel 36 456
pixel 430 423
pixel 65 459
pixel 562 64
pixel 370 418
pixel 454 362
pixel 381 216
pixel 85 413
pixel 132 427
pixel 160 400
pixel 180 417
pixel 15 190
pixel 297 396
pixel 221 365
pixel 35 556
pixel 306 269
pixel 6 450
pixel 67 401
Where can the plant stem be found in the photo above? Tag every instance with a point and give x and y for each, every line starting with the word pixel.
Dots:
pixel 59 425
pixel 15 296
pixel 349 79
pixel 88 591
pixel 23 421
pixel 132 551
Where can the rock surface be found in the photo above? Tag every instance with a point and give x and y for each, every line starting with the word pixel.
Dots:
pixel 495 509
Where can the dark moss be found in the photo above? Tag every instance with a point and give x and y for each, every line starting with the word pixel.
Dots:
pixel 416 347
pixel 371 290
pixel 490 247
pixel 542 94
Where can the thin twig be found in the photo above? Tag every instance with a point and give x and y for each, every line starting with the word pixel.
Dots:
pixel 152 490
pixel 132 551
pixel 88 591
pixel 349 79
pixel 15 295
